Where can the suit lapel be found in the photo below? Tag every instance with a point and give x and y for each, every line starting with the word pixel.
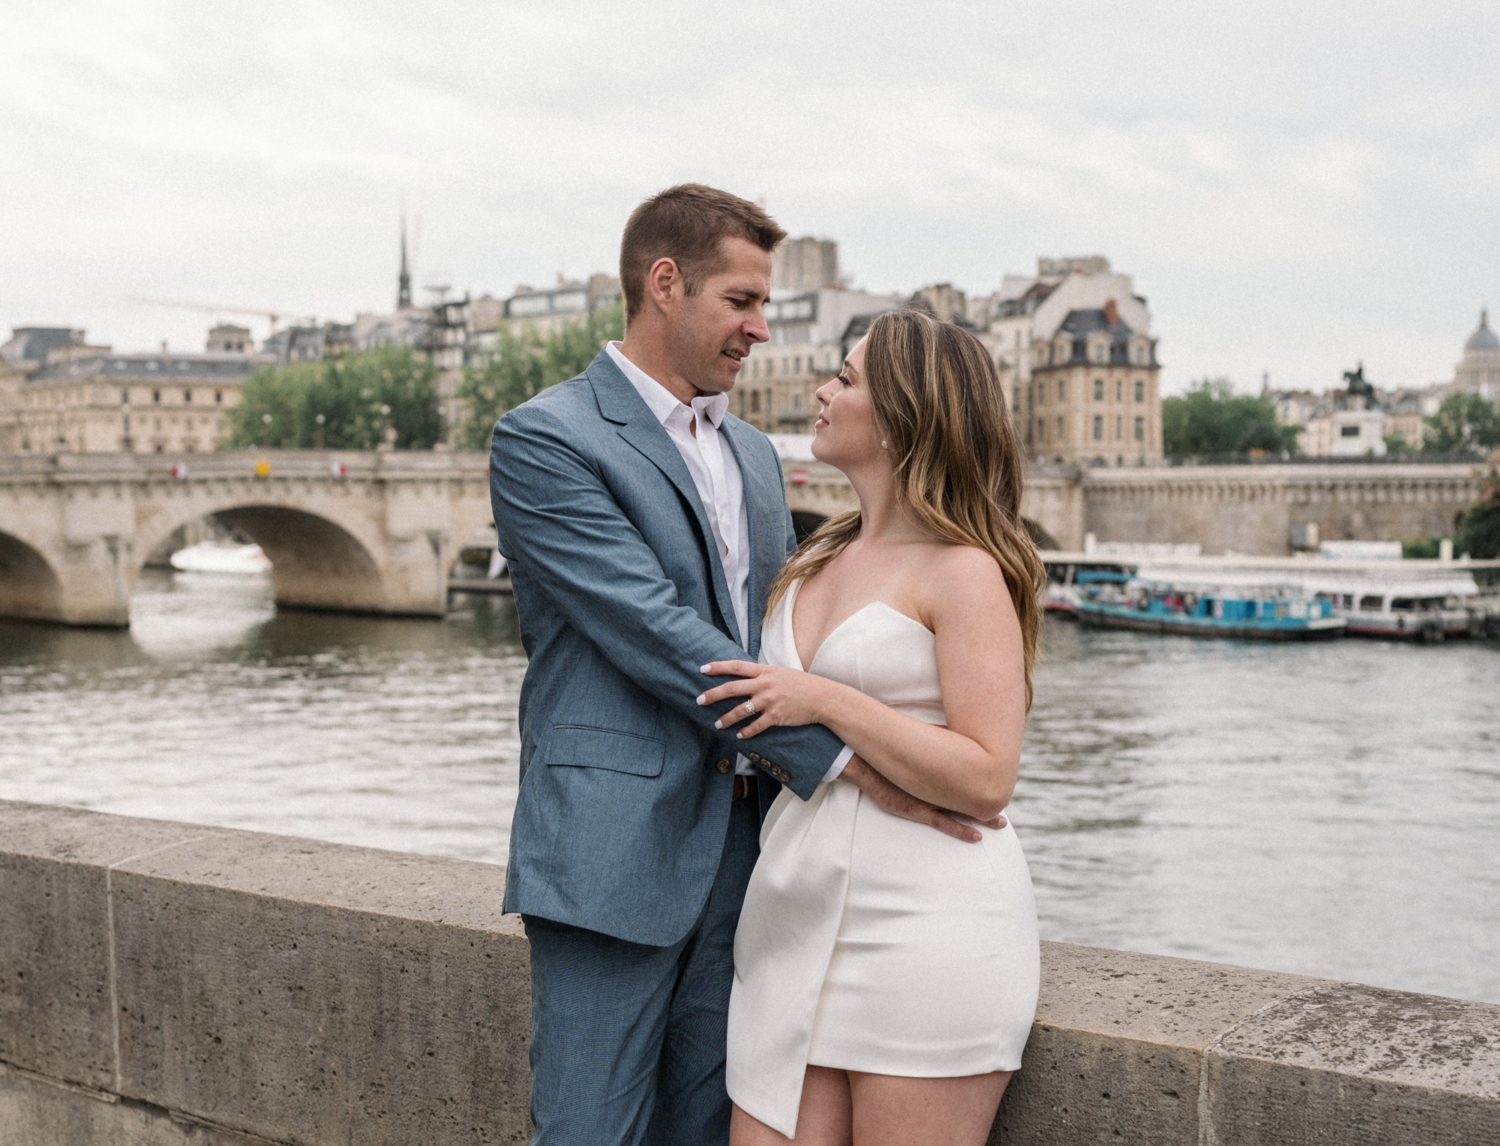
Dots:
pixel 765 511
pixel 619 403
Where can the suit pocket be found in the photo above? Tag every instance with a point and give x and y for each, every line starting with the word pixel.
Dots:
pixel 578 746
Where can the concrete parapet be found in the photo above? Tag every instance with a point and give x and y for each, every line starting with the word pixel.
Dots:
pixel 168 983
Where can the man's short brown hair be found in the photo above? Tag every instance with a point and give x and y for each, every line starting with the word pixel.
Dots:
pixel 685 223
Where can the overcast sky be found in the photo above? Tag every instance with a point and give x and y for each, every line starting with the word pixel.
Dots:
pixel 1294 187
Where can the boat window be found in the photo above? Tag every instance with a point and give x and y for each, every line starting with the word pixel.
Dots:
pixel 1371 603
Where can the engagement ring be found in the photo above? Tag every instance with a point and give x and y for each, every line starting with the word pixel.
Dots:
pixel 750 707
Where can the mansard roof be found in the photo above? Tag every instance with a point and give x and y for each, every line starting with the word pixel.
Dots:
pixel 212 365
pixel 1081 323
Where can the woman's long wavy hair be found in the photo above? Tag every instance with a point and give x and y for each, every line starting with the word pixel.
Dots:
pixel 939 406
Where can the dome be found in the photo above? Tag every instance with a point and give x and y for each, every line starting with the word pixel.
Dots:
pixel 1483 338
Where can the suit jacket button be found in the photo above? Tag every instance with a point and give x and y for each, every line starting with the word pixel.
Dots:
pixel 722 766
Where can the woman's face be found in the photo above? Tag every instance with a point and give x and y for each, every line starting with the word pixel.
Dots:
pixel 845 433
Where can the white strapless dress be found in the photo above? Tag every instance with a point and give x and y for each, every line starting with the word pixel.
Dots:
pixel 869 942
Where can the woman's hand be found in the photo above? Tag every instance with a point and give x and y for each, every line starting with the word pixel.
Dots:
pixel 773 695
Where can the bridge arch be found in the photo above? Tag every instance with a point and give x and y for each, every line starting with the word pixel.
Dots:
pixel 29 585
pixel 316 562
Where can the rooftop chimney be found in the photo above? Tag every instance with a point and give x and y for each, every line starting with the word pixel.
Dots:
pixel 1111 312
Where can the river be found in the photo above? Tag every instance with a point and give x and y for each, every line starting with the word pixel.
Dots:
pixel 1330 809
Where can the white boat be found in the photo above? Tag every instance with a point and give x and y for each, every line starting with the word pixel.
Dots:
pixel 220 557
pixel 1426 610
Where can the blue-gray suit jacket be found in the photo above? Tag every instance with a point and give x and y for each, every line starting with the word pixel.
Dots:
pixel 625 783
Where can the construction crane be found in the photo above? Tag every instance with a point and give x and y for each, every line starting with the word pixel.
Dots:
pixel 274 315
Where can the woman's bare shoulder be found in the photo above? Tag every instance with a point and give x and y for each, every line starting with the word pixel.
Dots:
pixel 956 579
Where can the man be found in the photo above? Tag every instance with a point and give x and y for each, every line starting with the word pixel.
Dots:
pixel 643 525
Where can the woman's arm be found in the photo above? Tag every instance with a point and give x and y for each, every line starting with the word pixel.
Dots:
pixel 970 766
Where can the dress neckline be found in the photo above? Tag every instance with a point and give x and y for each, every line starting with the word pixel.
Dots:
pixel 791 628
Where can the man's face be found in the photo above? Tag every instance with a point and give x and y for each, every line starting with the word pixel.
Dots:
pixel 713 330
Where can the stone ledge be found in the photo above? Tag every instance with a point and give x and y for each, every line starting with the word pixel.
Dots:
pixel 168 983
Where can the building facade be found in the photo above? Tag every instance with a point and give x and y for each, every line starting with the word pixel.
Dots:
pixel 89 399
pixel 1092 397
pixel 1021 323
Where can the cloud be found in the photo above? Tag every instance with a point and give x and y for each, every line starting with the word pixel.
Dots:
pixel 1293 188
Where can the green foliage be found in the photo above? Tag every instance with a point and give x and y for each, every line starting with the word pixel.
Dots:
pixel 358 396
pixel 1211 419
pixel 1464 424
pixel 1396 445
pixel 1479 531
pixel 526 364
pixel 1423 547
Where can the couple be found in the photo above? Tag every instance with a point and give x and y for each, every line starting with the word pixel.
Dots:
pixel 760 798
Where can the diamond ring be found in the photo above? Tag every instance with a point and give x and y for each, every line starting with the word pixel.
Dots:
pixel 750 707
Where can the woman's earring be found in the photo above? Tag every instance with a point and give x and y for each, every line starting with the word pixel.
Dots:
pixel 882 443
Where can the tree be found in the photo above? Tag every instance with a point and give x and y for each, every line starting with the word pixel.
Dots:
pixel 528 363
pixel 1211 419
pixel 1479 530
pixel 358 397
pixel 1463 424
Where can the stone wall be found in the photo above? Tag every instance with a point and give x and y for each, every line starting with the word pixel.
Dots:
pixel 168 983
pixel 1246 509
pixel 1251 509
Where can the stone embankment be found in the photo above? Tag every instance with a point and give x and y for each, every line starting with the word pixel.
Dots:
pixel 165 983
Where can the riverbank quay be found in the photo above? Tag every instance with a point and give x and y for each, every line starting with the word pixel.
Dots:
pixel 164 982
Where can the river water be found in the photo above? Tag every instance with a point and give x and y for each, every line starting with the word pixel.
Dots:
pixel 1329 809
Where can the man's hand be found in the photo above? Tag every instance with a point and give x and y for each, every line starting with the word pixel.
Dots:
pixel 901 803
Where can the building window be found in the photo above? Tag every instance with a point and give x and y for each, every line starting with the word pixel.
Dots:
pixel 187 396
pixel 1041 430
pixel 124 397
pixel 1140 429
pixel 1119 389
pixel 218 396
pixel 1140 391
pixel 156 395
pixel 755 401
pixel 1061 432
pixel 1119 427
pixel 1348 431
pixel 1098 427
pixel 1098 389
pixel 1062 391
pixel 797 365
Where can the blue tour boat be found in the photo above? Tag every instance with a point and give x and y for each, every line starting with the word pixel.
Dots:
pixel 1268 614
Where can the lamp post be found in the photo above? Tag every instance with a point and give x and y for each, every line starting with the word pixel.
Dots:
pixel 266 419
pixel 318 433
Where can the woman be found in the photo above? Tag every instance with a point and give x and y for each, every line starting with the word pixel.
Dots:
pixel 886 974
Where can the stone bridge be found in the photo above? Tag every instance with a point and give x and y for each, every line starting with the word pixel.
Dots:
pixel 378 532
pixel 1246 509
pixel 358 532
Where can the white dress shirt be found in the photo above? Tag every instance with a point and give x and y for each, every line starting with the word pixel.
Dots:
pixel 694 430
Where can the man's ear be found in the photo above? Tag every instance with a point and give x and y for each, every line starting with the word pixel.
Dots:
pixel 664 282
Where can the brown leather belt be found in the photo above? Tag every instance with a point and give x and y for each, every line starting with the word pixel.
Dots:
pixel 744 786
